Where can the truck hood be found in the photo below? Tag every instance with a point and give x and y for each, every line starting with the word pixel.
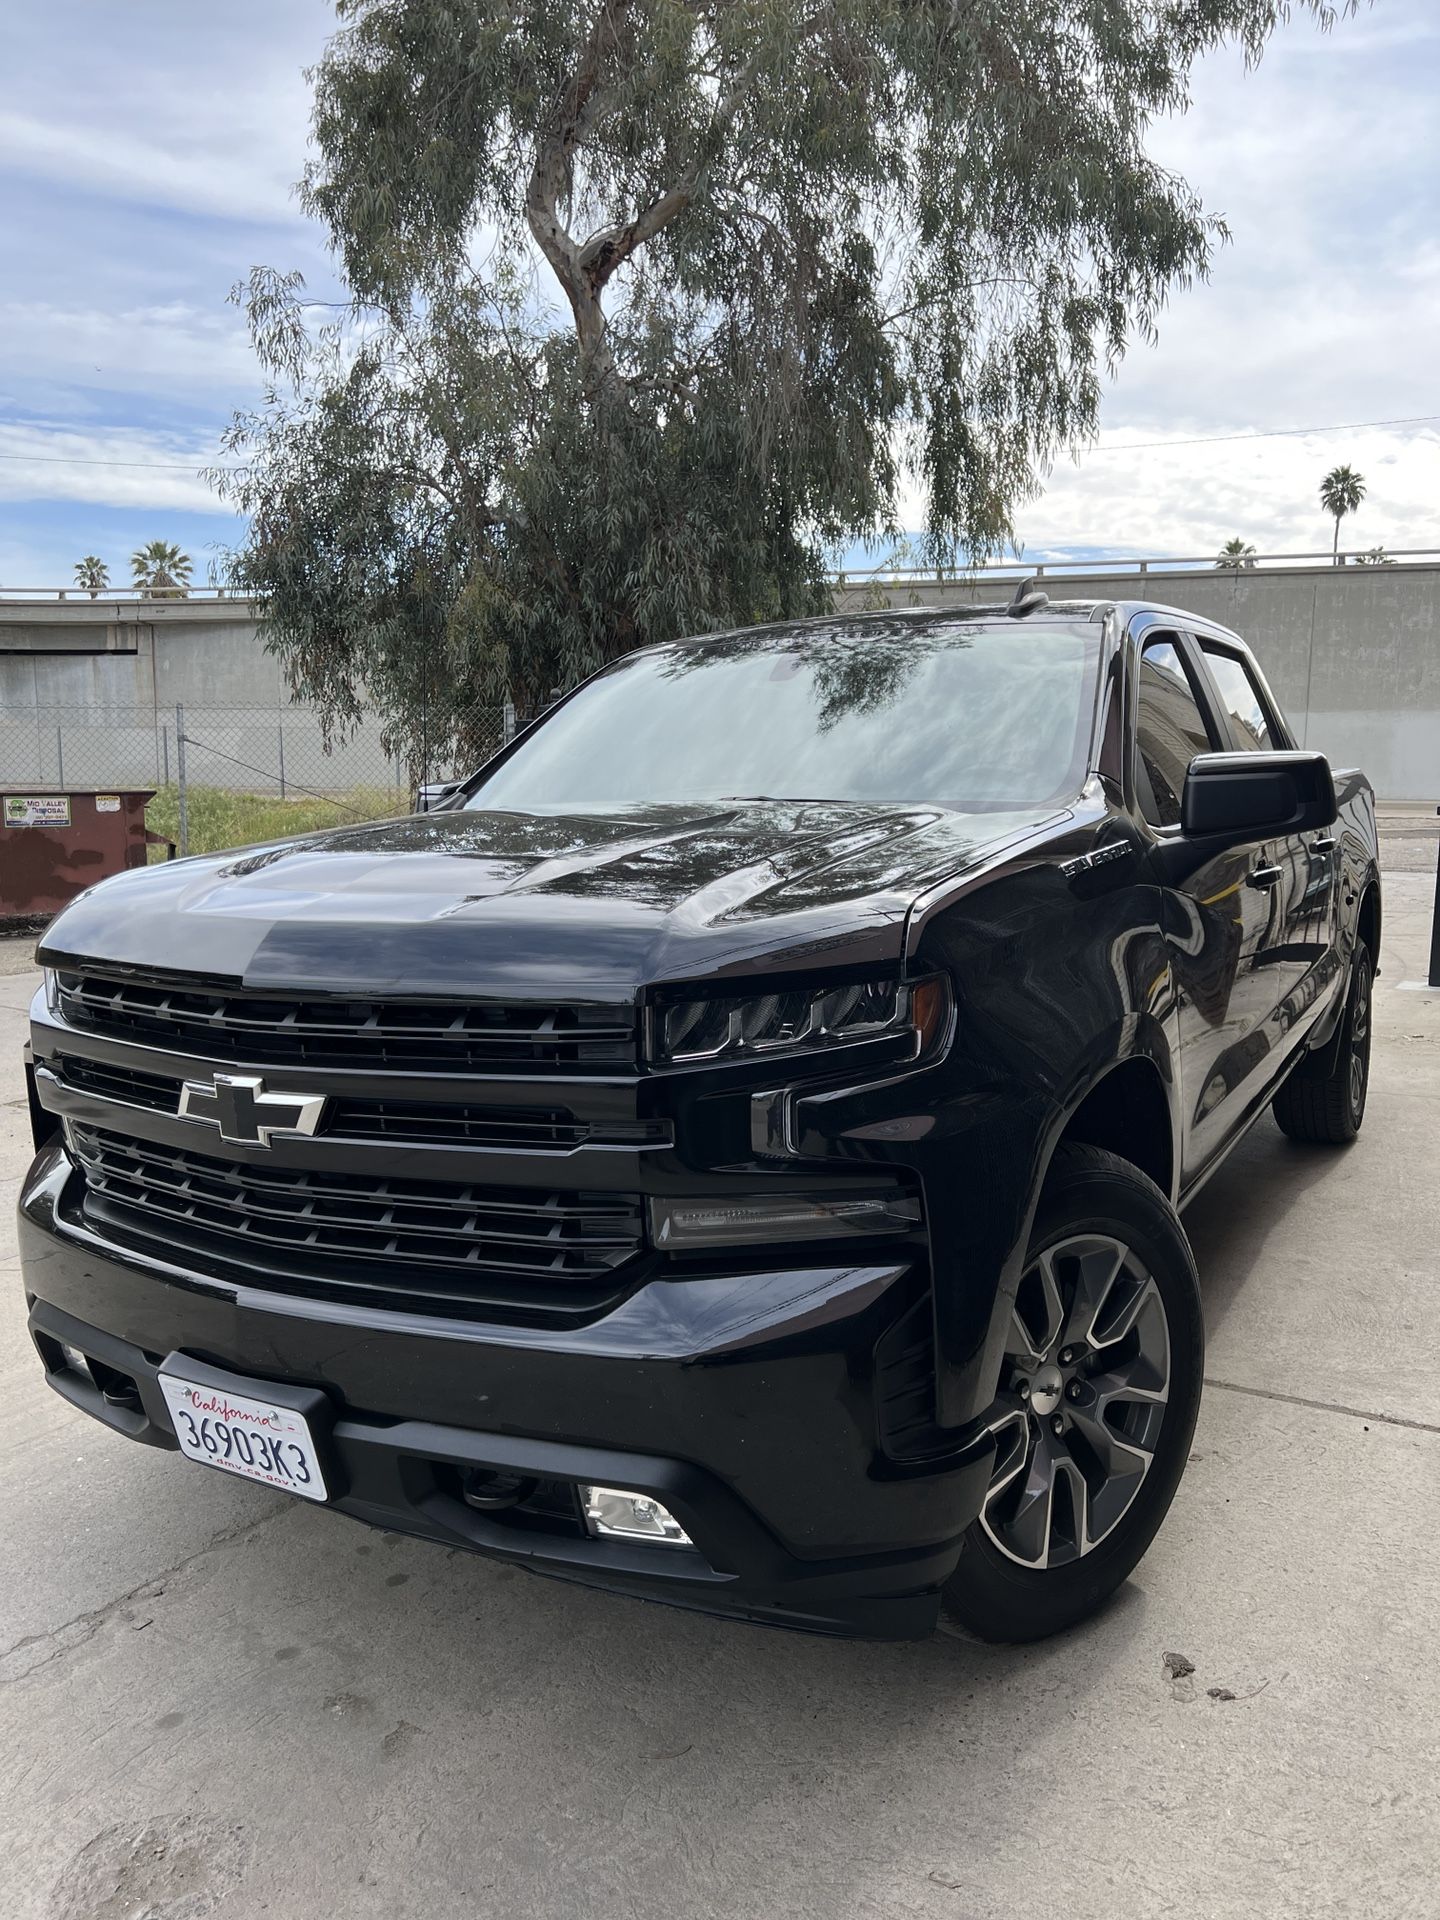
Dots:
pixel 578 907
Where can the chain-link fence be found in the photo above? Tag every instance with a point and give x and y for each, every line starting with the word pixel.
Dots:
pixel 225 776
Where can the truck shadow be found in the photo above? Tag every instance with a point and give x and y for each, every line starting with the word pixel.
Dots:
pixel 1236 1219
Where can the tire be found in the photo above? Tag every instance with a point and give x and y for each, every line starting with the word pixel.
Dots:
pixel 1323 1101
pixel 1125 1391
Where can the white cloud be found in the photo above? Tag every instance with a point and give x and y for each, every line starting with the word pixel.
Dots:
pixel 164 103
pixel 1186 501
pixel 119 468
pixel 188 168
pixel 1326 163
pixel 165 350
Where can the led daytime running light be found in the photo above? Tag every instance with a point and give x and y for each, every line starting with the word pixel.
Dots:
pixel 799 1020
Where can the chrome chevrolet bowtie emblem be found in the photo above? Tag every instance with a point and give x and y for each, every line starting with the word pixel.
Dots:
pixel 244 1112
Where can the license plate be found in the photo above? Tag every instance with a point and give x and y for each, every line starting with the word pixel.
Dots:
pixel 241 1434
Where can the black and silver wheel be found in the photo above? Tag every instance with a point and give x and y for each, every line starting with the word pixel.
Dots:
pixel 1099 1392
pixel 1324 1099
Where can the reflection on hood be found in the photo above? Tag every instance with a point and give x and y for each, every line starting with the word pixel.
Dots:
pixel 592 905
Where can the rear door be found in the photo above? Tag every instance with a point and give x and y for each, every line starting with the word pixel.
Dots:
pixel 1223 915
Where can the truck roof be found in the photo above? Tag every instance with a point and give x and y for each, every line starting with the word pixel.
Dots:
pixel 1029 603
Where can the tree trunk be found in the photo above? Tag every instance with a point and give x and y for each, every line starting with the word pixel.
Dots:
pixel 1335 550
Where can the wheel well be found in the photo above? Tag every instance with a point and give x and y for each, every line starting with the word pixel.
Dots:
pixel 1129 1114
pixel 1368 923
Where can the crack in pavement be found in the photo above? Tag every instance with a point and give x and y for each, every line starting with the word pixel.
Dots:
pixel 86 1625
pixel 1325 1406
pixel 78 1631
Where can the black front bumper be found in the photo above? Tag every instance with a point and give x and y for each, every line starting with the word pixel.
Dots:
pixel 747 1404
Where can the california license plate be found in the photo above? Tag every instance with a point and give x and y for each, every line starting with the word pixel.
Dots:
pixel 242 1434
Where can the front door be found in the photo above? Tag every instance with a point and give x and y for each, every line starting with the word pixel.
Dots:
pixel 1224 917
pixel 1304 953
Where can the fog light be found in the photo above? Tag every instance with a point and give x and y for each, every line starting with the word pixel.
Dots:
pixel 613 1514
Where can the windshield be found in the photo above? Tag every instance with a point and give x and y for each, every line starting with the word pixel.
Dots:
pixel 963 716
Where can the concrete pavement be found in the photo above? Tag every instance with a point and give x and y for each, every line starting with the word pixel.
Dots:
pixel 213 1700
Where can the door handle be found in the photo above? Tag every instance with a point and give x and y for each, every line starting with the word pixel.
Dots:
pixel 1327 843
pixel 1263 877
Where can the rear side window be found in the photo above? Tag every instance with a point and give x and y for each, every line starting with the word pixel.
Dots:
pixel 1170 731
pixel 1249 717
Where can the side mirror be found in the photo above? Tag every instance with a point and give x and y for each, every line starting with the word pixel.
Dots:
pixel 434 793
pixel 1251 796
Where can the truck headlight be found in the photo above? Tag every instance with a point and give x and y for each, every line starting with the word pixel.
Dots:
pixel 726 1027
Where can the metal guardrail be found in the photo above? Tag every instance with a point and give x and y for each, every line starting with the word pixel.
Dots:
pixel 854 576
pixel 129 596
pixel 1136 564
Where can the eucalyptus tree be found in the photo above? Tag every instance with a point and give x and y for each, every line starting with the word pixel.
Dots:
pixel 1341 492
pixel 654 304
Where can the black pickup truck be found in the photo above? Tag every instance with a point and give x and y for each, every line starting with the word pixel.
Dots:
pixel 731 1151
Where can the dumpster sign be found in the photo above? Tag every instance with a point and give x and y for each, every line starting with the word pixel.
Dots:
pixel 37 809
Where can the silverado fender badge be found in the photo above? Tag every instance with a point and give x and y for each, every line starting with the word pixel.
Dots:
pixel 1101 857
pixel 240 1106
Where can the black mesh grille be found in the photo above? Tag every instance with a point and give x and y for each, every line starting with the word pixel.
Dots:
pixel 534 1128
pixel 434 1237
pixel 154 1090
pixel 220 1022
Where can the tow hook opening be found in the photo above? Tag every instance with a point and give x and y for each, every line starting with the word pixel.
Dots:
pixel 115 1388
pixel 493 1492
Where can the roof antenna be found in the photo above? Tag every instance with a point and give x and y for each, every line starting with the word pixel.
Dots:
pixel 1028 599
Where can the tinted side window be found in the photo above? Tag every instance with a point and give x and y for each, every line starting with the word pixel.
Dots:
pixel 1171 730
pixel 1240 697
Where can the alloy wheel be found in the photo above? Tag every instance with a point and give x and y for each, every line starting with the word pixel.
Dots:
pixel 1086 1383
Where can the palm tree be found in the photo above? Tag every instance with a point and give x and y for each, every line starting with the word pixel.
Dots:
pixel 1341 492
pixel 1236 553
pixel 92 574
pixel 161 569
pixel 1376 557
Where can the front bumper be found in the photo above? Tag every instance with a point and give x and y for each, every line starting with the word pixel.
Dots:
pixel 747 1403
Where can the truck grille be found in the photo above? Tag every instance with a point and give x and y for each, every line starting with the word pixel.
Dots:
pixel 418 1241
pixel 434 1123
pixel 218 1021
pixel 160 1092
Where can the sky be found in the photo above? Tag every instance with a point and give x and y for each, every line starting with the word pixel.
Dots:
pixel 148 150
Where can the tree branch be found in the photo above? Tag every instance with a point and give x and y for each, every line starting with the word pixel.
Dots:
pixel 551 177
pixel 946 297
pixel 603 252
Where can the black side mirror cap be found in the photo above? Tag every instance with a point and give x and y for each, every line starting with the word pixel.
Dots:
pixel 1245 796
pixel 434 793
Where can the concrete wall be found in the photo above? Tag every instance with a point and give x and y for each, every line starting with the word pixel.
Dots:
pixel 1353 653
pixel 135 654
pixel 88 692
